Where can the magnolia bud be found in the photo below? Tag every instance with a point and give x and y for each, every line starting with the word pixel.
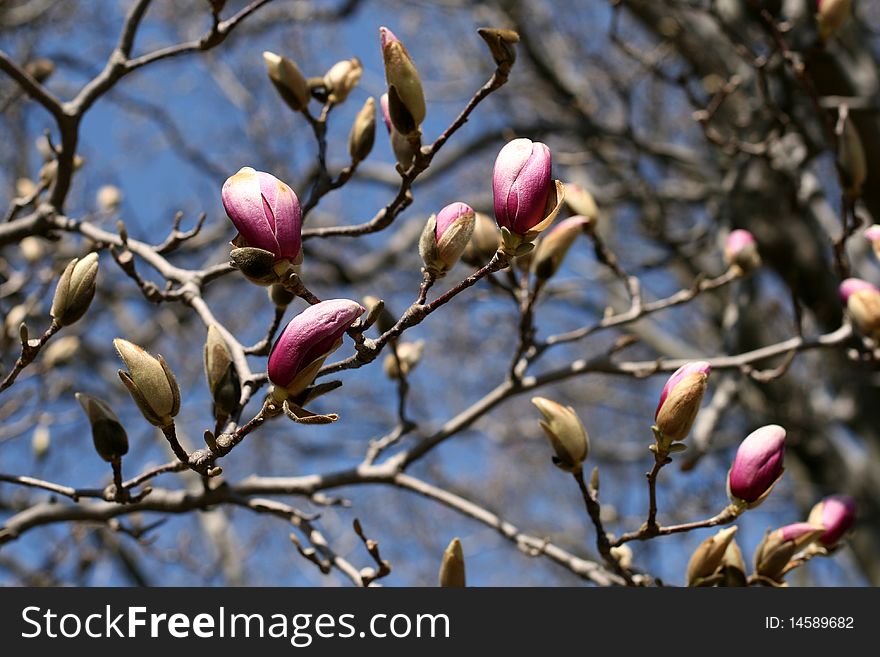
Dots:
pixel 707 558
pixel 863 303
pixel 406 99
pixel 61 351
pixel 75 290
pixel 733 566
pixel 851 158
pixel 741 250
pixel 445 237
pixel 581 201
pixel 267 215
pixel 836 514
pixel 680 400
pixel 830 17
pixel 501 45
pixel 484 242
pixel 452 566
pixel 40 69
pixel 150 383
pixel 378 314
pixel 288 81
pixel 872 234
pixel 307 340
pixel 403 149
pixel 108 434
pixel 41 440
pixel 257 265
pixel 220 373
pixel 778 547
pixel 342 78
pixel 623 554
pixel 565 432
pixel 108 198
pixel 32 249
pixel 757 466
pixel 551 250
pixel 408 354
pixel 363 132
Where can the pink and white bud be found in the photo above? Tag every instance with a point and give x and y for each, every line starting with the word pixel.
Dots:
pixel 757 466
pixel 266 213
pixel 680 400
pixel 862 301
pixel 521 184
pixel 778 547
pixel 445 237
pixel 830 17
pixel 307 340
pixel 836 514
pixel 741 250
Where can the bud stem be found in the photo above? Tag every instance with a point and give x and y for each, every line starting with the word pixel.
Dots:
pixel 121 495
pixel 728 515
pixel 28 354
pixel 170 432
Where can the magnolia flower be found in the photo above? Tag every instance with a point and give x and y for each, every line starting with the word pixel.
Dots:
pixel 521 184
pixel 307 340
pixel 836 514
pixel 445 237
pixel 757 465
pixel 680 400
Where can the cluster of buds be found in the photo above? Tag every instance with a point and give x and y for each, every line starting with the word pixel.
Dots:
pixel 774 554
pixel 862 301
pixel 406 99
pixel 304 345
pixel 267 214
pixel 150 383
pixel 566 434
pixel 526 197
pixel 757 466
pixel 553 247
pixel 452 566
pixel 741 251
pixel 830 17
pixel 75 290
pixel 679 404
pixel 445 237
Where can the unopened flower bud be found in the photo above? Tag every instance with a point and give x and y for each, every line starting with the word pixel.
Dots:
pixel 836 514
pixel 41 440
pixel 851 158
pixel 779 546
pixel 502 46
pixel 150 383
pixel 830 17
pixel 342 77
pixel 108 198
pixel 408 355
pixel 707 558
pixel 757 466
pixel 32 249
pixel 526 197
pixel 378 314
pixel 61 351
pixel 267 215
pixel 307 340
pixel 872 234
pixel 288 81
pixel 406 99
pixel 221 375
pixel 40 69
pixel 75 290
pixel 108 434
pixel 445 237
pixel 484 242
pixel 567 435
pixel 363 132
pixel 623 554
pixel 452 567
pixel 551 250
pixel 257 265
pixel 581 201
pixel 863 303
pixel 733 566
pixel 680 400
pixel 741 250
pixel 403 149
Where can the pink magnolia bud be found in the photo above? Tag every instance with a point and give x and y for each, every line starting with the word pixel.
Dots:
pixel 741 250
pixel 521 184
pixel 445 237
pixel 307 340
pixel 836 514
pixel 680 400
pixel 406 97
pixel 265 211
pixel 757 465
pixel 863 303
pixel 778 547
